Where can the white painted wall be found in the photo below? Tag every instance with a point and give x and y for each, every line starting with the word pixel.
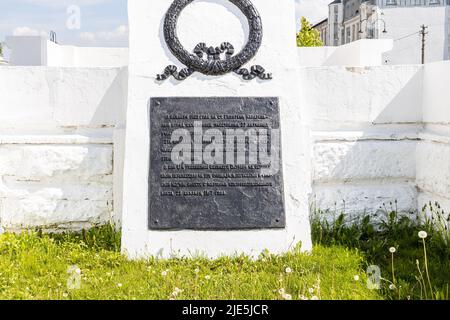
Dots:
pixel 366 123
pixel 448 33
pixel 402 23
pixel 379 134
pixel 38 51
pixel 358 53
pixel 370 148
pixel 85 57
pixel 433 154
pixel 315 56
pixel 56 145
pixel 59 125
pixel 26 50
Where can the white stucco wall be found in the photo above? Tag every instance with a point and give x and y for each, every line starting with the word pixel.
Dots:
pixel 56 145
pixel 366 123
pixel 370 148
pixel 379 134
pixel 402 24
pixel 85 57
pixel 39 51
pixel 433 154
pixel 358 53
pixel 26 50
pixel 62 132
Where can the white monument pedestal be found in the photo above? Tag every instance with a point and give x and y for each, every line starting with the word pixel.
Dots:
pixel 213 22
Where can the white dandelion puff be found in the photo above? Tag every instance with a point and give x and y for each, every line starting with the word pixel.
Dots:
pixel 287 296
pixel 423 235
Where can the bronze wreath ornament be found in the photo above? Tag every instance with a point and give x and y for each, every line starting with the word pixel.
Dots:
pixel 219 60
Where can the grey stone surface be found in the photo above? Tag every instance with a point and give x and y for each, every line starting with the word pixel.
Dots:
pixel 220 195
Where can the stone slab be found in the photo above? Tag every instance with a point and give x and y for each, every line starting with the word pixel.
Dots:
pixel 226 182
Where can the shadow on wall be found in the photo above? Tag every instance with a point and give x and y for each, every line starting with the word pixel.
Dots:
pixel 56 169
pixel 118 91
pixel 366 137
pixel 113 106
pixel 358 53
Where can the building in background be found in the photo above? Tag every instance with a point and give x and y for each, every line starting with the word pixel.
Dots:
pixel 2 59
pixel 400 20
pixel 322 27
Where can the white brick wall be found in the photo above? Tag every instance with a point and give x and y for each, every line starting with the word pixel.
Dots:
pixel 365 124
pixel 380 134
pixel 55 186
pixel 433 154
pixel 56 146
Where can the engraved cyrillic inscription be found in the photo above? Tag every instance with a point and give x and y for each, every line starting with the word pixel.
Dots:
pixel 215 164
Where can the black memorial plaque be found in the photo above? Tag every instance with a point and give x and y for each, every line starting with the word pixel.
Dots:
pixel 215 164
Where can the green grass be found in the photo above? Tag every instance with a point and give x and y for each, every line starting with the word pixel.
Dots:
pixel 375 235
pixel 35 266
pixel 39 266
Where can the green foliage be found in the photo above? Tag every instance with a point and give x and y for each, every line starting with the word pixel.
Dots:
pixel 308 36
pixel 374 235
pixel 101 238
pixel 35 266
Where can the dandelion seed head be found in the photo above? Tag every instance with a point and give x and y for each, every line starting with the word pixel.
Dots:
pixel 423 235
pixel 176 292
pixel 287 296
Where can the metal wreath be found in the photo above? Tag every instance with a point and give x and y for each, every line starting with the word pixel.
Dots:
pixel 214 65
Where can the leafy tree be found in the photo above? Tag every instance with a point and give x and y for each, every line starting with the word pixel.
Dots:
pixel 308 36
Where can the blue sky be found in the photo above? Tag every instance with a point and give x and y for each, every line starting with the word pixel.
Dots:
pixel 102 22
